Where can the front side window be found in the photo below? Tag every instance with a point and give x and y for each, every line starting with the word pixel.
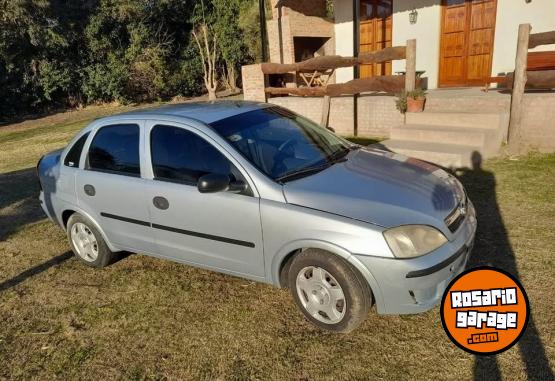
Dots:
pixel 282 144
pixel 73 156
pixel 115 149
pixel 182 156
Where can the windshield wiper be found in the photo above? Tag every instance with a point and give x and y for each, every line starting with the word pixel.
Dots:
pixel 302 173
pixel 339 155
pixel 336 157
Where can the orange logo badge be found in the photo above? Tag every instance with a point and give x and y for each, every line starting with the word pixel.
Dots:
pixel 484 310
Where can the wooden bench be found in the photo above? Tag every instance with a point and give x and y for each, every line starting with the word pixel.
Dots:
pixel 541 61
pixel 536 61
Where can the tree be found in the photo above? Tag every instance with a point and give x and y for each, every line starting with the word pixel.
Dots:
pixel 59 53
pixel 207 46
pixel 233 49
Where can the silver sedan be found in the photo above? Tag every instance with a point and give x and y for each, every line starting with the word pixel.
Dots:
pixel 256 191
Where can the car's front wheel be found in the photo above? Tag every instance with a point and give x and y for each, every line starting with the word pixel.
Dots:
pixel 87 242
pixel 329 291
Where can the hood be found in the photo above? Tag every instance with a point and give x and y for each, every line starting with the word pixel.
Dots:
pixel 380 187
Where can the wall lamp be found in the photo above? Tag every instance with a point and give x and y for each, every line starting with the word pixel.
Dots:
pixel 413 16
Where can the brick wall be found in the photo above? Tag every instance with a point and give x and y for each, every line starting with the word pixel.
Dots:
pixel 376 114
pixel 299 18
pixel 305 7
pixel 538 122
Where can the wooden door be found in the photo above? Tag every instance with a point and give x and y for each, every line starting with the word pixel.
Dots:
pixel 467 34
pixel 375 33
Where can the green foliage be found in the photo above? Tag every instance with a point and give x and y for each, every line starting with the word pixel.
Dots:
pixel 416 94
pixel 330 9
pixel 401 101
pixel 250 29
pixel 56 53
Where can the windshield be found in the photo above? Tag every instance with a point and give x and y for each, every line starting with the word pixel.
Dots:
pixel 282 144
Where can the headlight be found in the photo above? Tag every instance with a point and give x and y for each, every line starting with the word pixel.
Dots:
pixel 409 241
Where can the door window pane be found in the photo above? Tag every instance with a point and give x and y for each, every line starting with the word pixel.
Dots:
pixel 115 149
pixel 74 154
pixel 450 3
pixel 384 9
pixel 181 156
pixel 366 9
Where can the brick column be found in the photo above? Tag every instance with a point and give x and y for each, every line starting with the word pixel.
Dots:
pixel 253 83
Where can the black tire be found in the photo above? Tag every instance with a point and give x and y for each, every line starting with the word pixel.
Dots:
pixel 357 294
pixel 105 255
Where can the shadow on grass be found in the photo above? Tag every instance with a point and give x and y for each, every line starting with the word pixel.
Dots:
pixel 493 248
pixel 19 204
pixel 35 270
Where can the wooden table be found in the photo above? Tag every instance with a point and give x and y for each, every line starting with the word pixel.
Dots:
pixel 316 78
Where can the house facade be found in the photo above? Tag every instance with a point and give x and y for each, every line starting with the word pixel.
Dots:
pixel 460 43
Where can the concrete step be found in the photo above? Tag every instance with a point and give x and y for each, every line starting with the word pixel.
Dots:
pixel 488 140
pixel 446 155
pixel 441 134
pixel 460 119
pixel 462 103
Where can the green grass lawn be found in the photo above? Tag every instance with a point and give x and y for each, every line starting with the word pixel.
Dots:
pixel 144 318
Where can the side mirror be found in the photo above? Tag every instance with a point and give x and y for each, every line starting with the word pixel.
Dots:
pixel 213 182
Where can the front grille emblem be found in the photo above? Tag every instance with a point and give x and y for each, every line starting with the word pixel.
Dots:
pixel 456 217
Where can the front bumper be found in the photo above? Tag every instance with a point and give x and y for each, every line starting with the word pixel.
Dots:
pixel 409 286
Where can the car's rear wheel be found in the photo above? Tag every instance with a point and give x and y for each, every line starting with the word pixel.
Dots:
pixel 329 291
pixel 87 243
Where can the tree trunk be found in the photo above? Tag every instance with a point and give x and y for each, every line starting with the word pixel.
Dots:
pixel 208 56
pixel 212 94
pixel 231 77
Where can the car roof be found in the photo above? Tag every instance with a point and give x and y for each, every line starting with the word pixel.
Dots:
pixel 206 112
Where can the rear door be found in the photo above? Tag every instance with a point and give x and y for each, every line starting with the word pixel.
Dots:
pixel 221 231
pixel 110 188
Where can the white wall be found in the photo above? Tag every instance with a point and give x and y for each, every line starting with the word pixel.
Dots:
pixel 510 13
pixel 344 36
pixel 426 31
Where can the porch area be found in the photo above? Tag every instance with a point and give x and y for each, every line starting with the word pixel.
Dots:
pixel 455 123
pixel 347 82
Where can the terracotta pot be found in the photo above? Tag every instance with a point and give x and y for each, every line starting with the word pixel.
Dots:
pixel 415 105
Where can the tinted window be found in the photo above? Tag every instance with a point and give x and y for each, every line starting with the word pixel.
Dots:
pixel 74 154
pixel 115 149
pixel 182 156
pixel 280 142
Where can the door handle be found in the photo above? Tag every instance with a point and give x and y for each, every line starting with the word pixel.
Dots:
pixel 161 202
pixel 89 190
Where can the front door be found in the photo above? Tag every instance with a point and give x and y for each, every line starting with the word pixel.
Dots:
pixel 467 35
pixel 220 231
pixel 375 33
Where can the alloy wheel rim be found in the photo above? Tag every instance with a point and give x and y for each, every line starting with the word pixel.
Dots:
pixel 84 241
pixel 321 295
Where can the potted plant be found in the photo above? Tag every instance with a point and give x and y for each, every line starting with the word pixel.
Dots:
pixel 411 101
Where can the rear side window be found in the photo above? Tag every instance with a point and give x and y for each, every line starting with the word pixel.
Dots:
pixel 74 154
pixel 181 156
pixel 115 149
